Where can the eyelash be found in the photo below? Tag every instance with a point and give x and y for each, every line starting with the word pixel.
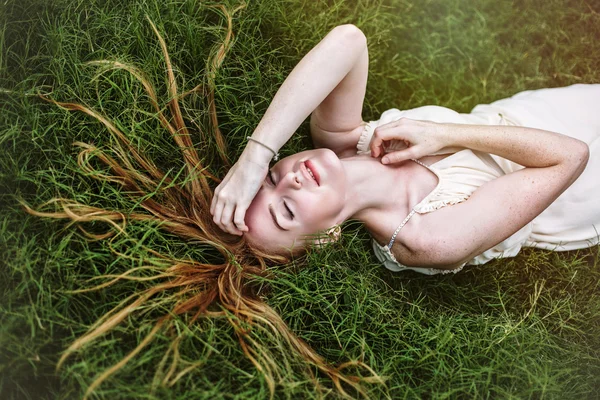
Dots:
pixel 287 208
pixel 271 178
pixel 284 203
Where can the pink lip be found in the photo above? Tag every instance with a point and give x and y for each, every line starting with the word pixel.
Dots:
pixel 310 166
pixel 305 173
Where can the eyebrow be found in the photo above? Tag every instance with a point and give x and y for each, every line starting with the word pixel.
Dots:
pixel 272 211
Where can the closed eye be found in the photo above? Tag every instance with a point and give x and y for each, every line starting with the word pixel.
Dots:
pixel 272 182
pixel 288 210
pixel 270 176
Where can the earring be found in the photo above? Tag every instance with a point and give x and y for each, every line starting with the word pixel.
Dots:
pixel 334 233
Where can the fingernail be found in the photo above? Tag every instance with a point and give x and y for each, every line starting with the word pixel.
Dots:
pixel 385 160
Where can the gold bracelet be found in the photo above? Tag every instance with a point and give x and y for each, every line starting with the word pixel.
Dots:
pixel 275 154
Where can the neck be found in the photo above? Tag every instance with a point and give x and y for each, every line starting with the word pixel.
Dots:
pixel 374 186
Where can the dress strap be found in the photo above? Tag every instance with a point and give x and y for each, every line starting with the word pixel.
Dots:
pixel 391 243
pixel 412 212
pixel 420 163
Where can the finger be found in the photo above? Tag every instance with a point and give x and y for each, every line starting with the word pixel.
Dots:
pixel 376 143
pixel 216 196
pixel 377 151
pixel 383 134
pixel 226 217
pixel 227 220
pixel 401 155
pixel 215 200
pixel 217 215
pixel 213 204
pixel 238 218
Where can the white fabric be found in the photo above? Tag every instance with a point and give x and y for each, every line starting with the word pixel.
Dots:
pixel 571 222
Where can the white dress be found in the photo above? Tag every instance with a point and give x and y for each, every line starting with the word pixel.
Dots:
pixel 571 222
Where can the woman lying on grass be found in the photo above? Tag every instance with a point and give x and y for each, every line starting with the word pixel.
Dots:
pixel 492 197
pixel 436 189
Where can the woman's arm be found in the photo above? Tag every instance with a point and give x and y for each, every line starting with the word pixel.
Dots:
pixel 500 207
pixel 330 80
pixel 322 70
pixel 337 122
pixel 534 148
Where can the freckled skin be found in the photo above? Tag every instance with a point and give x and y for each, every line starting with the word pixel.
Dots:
pixel 462 231
pixel 330 82
pixel 480 222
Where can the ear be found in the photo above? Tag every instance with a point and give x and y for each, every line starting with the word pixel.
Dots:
pixel 328 236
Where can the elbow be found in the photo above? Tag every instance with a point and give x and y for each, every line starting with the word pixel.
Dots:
pixel 350 34
pixel 575 160
pixel 584 154
pixel 580 155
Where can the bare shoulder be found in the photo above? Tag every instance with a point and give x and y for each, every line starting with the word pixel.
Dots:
pixel 381 226
pixel 421 244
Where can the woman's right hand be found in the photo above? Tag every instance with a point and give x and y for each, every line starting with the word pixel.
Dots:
pixel 235 193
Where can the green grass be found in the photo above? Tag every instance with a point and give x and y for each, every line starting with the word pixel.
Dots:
pixel 521 328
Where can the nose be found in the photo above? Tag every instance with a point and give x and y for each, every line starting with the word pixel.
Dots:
pixel 291 180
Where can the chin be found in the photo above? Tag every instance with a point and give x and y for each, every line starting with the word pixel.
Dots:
pixel 328 156
pixel 328 164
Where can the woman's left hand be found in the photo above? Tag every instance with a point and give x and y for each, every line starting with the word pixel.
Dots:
pixel 421 138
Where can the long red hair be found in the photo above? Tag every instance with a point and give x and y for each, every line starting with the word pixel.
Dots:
pixel 183 209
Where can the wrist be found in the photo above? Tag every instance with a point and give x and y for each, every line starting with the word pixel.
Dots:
pixel 449 135
pixel 257 154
